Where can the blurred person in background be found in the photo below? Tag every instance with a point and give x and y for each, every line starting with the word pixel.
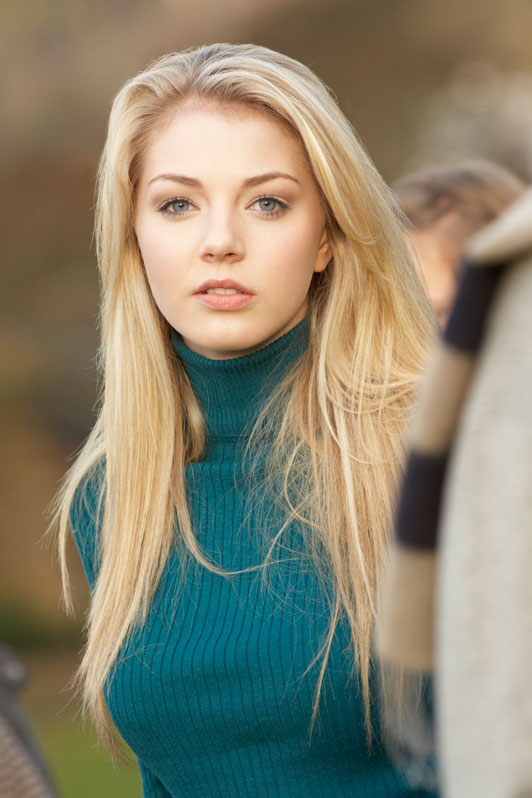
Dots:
pixel 263 330
pixel 458 595
pixel 445 204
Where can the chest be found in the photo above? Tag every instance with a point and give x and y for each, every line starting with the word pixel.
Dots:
pixel 230 656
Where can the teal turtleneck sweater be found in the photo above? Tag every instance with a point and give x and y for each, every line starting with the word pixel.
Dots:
pixel 214 692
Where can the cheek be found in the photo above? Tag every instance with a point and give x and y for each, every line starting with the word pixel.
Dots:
pixel 159 273
pixel 295 251
pixel 158 254
pixel 287 282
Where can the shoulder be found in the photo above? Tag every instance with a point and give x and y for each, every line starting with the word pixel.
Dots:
pixel 507 239
pixel 86 514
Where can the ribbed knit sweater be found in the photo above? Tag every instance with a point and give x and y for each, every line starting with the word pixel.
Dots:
pixel 214 692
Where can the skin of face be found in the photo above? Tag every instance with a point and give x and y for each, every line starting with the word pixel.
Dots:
pixel 436 265
pixel 226 196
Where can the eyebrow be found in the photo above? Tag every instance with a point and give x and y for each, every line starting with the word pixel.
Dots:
pixel 249 181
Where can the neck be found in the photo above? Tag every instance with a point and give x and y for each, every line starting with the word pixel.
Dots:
pixel 232 392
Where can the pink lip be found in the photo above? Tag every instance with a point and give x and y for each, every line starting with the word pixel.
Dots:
pixel 226 283
pixel 224 301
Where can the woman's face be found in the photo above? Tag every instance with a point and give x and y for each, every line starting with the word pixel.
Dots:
pixel 433 252
pixel 230 227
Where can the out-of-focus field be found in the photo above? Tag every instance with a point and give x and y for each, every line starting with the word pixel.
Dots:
pixel 81 767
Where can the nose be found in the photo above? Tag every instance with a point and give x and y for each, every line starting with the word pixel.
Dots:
pixel 222 241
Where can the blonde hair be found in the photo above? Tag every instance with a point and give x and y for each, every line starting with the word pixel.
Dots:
pixel 342 415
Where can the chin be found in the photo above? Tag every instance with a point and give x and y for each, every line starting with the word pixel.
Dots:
pixel 218 347
pixel 230 339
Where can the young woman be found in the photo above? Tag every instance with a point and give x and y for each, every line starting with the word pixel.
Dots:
pixel 262 331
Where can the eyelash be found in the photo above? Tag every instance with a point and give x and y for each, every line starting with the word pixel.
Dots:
pixel 280 209
pixel 166 205
pixel 281 206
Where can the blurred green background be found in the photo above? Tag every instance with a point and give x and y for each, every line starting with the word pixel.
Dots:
pixel 422 81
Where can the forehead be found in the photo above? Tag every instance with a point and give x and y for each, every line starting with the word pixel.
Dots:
pixel 199 134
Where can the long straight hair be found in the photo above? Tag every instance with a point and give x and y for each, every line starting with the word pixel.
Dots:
pixel 338 430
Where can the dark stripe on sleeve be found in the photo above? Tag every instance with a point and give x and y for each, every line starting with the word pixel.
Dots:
pixel 476 289
pixel 419 504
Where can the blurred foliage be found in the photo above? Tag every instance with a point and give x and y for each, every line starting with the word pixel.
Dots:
pixel 24 629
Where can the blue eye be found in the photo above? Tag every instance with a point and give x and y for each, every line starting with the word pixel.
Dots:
pixel 270 206
pixel 267 204
pixel 179 205
pixel 176 207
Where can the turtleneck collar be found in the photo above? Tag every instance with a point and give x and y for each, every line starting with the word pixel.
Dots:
pixel 231 392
